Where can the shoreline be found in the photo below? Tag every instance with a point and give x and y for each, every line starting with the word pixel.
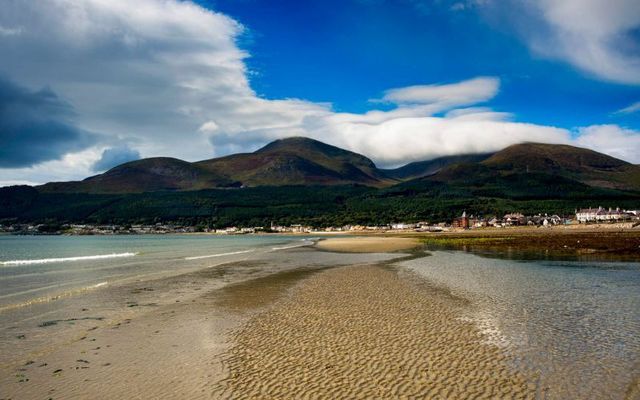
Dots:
pixel 166 338
pixel 169 350
pixel 525 243
pixel 571 228
pixel 311 323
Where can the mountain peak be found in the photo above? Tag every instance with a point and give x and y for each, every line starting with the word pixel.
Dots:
pixel 304 145
pixel 292 141
pixel 545 157
pixel 305 161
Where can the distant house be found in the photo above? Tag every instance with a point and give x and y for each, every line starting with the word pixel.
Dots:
pixel 494 222
pixel 402 226
pixel 478 223
pixel 634 214
pixel 555 220
pixel 514 219
pixel 461 222
pixel 602 215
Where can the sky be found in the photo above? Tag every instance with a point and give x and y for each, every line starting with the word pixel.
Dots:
pixel 88 84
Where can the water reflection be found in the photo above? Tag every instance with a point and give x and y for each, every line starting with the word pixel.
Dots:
pixel 506 252
pixel 572 324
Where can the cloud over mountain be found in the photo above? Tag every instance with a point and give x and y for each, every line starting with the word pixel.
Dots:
pixel 170 77
pixel 115 156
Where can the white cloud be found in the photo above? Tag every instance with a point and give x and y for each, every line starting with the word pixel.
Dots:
pixel 476 113
pixel 611 139
pixel 401 140
pixel 168 77
pixel 598 36
pixel 16 183
pixel 129 70
pixel 630 109
pixel 75 166
pixel 208 127
pixel 472 91
pixel 4 31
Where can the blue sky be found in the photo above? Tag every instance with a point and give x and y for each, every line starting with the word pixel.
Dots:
pixel 87 84
pixel 346 52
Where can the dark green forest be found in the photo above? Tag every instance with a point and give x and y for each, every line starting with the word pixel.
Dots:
pixel 317 206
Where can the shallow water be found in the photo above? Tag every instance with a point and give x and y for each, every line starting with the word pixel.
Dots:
pixel 572 325
pixel 38 268
pixel 54 289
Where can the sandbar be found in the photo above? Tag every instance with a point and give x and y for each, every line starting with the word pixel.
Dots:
pixel 367 244
pixel 365 332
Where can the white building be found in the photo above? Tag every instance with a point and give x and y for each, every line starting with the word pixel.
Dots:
pixel 402 226
pixel 514 219
pixel 601 215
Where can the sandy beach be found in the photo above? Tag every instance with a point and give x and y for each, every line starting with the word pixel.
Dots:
pixel 366 332
pixel 157 338
pixel 168 345
pixel 319 322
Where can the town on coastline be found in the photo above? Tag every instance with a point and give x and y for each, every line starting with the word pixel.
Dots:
pixel 600 215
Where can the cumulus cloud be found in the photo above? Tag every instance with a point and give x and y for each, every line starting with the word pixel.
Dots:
pixel 115 156
pixel 36 126
pixel 208 127
pixel 153 70
pixel 168 76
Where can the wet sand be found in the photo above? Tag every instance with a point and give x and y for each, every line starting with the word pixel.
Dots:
pixel 358 329
pixel 169 347
pixel 161 338
pixel 366 332
pixel 173 353
pixel 367 244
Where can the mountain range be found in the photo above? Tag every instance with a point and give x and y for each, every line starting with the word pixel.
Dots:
pixel 300 180
pixel 304 161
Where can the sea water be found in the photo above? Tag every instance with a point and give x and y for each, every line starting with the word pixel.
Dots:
pixel 39 268
pixel 574 326
pixel 55 288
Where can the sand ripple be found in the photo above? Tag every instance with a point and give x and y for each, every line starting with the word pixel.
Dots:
pixel 363 332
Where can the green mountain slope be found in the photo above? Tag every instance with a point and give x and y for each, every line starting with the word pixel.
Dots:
pixel 296 161
pixel 530 172
pixel 419 169
pixel 147 175
pixel 292 161
pixel 586 166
